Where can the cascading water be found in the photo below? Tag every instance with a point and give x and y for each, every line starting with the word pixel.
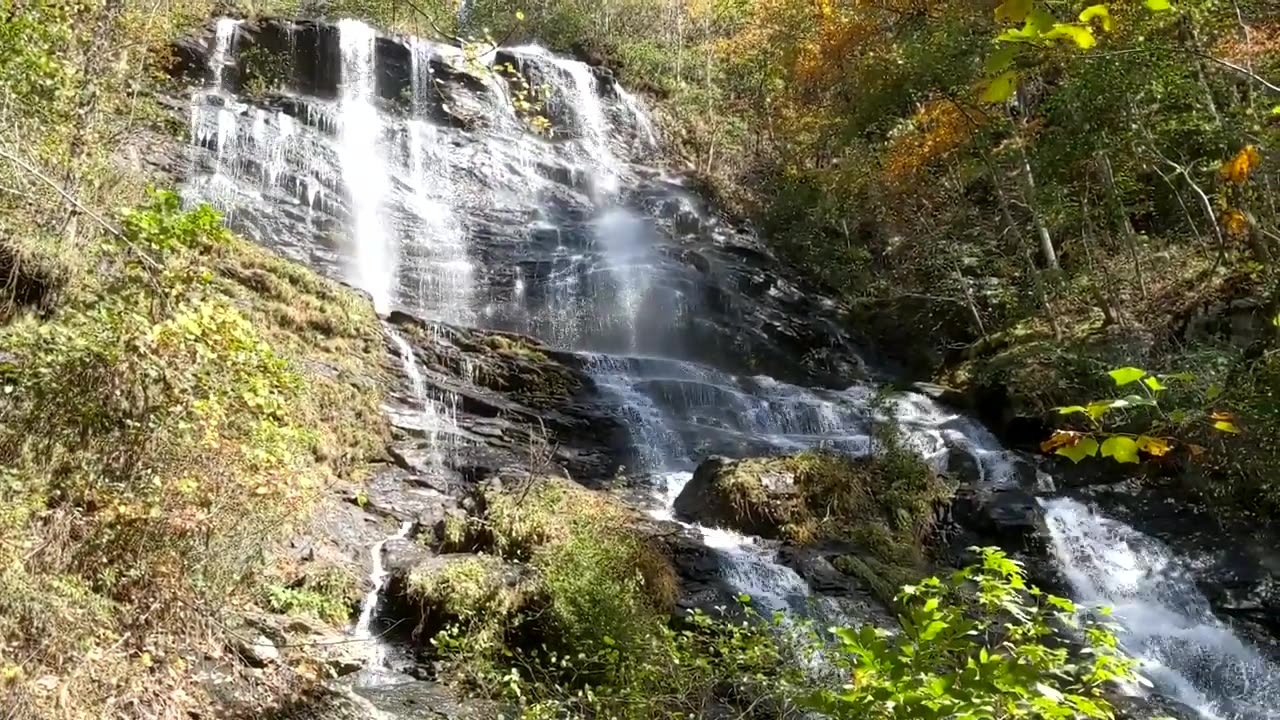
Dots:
pixel 362 167
pixel 1167 623
pixel 369 606
pixel 416 179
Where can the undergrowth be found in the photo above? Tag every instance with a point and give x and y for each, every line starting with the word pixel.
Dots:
pixel 157 432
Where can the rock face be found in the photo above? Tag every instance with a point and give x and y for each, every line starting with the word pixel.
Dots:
pixel 624 321
pixel 519 241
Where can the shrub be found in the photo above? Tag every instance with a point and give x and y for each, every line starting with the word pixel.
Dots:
pixel 985 642
pixel 153 445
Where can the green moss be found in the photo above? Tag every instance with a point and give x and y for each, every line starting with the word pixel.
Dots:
pixel 565 573
pixel 515 347
pixel 334 338
pixel 886 505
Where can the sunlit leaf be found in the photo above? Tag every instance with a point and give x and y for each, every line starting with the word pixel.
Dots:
pixel 1125 375
pixel 1121 449
pixel 1153 446
pixel 1224 422
pixel 1158 5
pixel 1097 11
pixel 519 14
pixel 1081 449
pixel 1154 383
pixel 1001 87
pixel 1237 169
pixel 1059 439
pixel 1013 11
pixel 1072 409
pixel 1081 36
pixel 1000 60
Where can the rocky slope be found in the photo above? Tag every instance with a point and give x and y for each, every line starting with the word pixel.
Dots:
pixel 564 275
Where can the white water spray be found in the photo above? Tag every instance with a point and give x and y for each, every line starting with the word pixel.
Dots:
pixel 363 170
pixel 369 606
pixel 1168 624
pixel 223 44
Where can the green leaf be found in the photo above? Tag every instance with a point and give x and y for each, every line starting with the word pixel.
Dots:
pixel 1081 36
pixel 1154 383
pixel 1086 447
pixel 1158 5
pixel 1039 22
pixel 1226 426
pixel 933 629
pixel 1213 392
pixel 1013 11
pixel 1097 11
pixel 1001 87
pixel 1125 375
pixel 1072 409
pixel 1000 60
pixel 1121 449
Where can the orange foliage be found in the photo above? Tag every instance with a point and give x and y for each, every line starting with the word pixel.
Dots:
pixel 1237 169
pixel 1263 43
pixel 938 128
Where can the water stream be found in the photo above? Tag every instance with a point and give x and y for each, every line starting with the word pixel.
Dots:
pixel 448 208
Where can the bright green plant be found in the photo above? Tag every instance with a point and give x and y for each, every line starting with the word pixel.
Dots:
pixel 1041 30
pixel 984 645
pixel 1161 424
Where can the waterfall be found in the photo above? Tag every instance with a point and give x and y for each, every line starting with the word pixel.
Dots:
pixel 1167 623
pixel 431 195
pixel 224 38
pixel 363 169
pixel 369 606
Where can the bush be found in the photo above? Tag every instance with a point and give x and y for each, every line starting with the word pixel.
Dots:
pixel 153 444
pixel 983 642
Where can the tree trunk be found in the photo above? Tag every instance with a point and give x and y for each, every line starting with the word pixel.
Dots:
pixel 1117 207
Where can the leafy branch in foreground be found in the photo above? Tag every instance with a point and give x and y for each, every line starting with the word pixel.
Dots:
pixel 1161 425
pixel 983 645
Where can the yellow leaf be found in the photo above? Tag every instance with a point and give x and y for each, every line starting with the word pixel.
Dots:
pixel 520 15
pixel 1237 169
pixel 1153 445
pixel 1226 426
pixel 1061 438
pixel 1236 223
pixel 1081 36
pixel 1097 11
pixel 1013 11
pixel 1001 87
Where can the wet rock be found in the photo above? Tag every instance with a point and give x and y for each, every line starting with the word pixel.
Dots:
pixel 257 651
pixel 423 700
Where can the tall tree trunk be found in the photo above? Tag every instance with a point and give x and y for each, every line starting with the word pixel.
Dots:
pixel 1122 215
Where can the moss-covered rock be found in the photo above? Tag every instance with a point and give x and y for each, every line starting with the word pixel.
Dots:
pixel 881 509
pixel 482 595
pixel 546 565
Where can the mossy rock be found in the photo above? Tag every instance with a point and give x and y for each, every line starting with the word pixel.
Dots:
pixel 548 564
pixel 483 594
pixel 882 508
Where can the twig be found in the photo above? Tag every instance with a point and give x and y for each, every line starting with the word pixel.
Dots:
pixel 25 166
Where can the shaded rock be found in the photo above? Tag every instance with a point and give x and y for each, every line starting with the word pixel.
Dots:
pixel 423 700
pixel 257 651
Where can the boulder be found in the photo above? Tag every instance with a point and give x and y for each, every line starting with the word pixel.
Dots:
pixel 873 518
